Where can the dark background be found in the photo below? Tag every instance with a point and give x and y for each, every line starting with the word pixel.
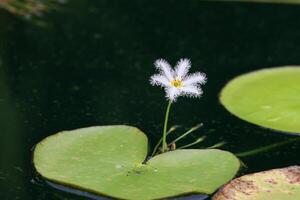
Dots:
pixel 90 63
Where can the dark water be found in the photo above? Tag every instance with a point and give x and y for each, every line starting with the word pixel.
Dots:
pixel 90 62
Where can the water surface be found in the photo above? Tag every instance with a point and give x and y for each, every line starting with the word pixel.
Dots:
pixel 90 61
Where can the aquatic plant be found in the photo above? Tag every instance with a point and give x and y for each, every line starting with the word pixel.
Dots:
pixel 267 97
pixel 114 160
pixel 275 184
pixel 267 1
pixel 177 83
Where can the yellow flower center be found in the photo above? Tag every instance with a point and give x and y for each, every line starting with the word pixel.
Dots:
pixel 176 83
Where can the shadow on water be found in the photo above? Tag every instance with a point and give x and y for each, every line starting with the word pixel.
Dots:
pixel 90 66
pixel 95 197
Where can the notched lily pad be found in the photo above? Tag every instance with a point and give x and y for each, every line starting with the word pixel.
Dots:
pixel 110 161
pixel 268 1
pixel 268 97
pixel 276 184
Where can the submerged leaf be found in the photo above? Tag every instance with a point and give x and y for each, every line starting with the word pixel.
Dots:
pixel 110 161
pixel 268 97
pixel 276 184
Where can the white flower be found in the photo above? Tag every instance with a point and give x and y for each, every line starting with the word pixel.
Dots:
pixel 177 82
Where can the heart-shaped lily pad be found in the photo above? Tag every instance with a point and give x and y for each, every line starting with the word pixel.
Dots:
pixel 109 160
pixel 268 97
pixel 276 184
pixel 267 1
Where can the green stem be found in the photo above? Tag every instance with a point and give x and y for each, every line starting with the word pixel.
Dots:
pixel 173 128
pixel 216 145
pixel 266 148
pixel 201 139
pixel 164 140
pixel 187 133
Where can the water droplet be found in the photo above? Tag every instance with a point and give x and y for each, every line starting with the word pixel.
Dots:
pixel 119 166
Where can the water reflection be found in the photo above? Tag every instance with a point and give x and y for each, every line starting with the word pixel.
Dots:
pixel 32 11
pixel 30 8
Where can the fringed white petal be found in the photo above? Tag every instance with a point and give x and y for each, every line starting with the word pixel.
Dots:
pixel 160 80
pixel 194 79
pixel 182 68
pixel 164 67
pixel 192 91
pixel 172 93
pixel 178 83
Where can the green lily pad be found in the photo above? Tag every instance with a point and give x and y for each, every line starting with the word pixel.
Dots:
pixel 276 184
pixel 268 97
pixel 110 161
pixel 268 1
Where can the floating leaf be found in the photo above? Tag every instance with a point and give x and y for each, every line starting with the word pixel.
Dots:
pixel 268 97
pixel 276 184
pixel 267 1
pixel 110 161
